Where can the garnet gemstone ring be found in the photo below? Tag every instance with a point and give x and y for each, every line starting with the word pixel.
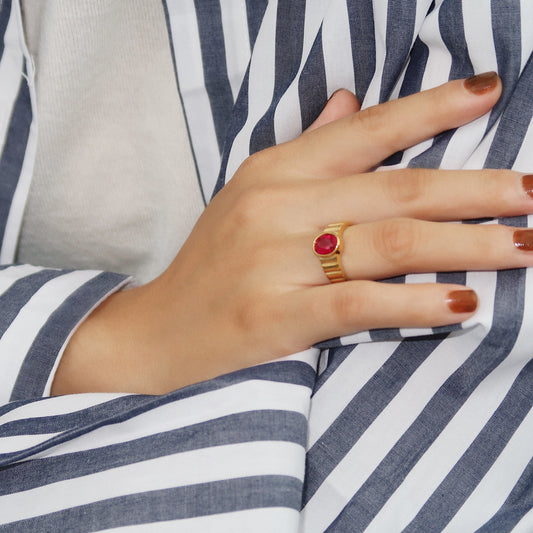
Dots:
pixel 328 246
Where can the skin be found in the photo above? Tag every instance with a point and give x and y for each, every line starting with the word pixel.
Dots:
pixel 246 287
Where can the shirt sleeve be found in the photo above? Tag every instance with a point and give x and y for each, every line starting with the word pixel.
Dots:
pixel 40 309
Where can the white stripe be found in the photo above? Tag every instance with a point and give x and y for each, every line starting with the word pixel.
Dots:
pixel 437 70
pixel 10 73
pixel 21 442
pixel 477 18
pixel 479 156
pixel 482 53
pixel 248 396
pixel 186 40
pixel 337 48
pixel 380 35
pixel 287 117
pixel 19 337
pixel 260 87
pixel 440 458
pixel 341 387
pixel 236 42
pixel 360 462
pixel 499 481
pixel 273 519
pixel 18 203
pixel 497 484
pixel 57 405
pixel 355 338
pixel 418 278
pixel 12 274
pixel 526 16
pixel 178 470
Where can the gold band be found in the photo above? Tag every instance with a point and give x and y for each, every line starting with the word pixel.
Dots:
pixel 328 246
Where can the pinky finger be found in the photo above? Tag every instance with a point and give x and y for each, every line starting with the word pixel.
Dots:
pixel 345 308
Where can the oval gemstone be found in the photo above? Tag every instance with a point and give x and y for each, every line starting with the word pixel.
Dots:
pixel 326 244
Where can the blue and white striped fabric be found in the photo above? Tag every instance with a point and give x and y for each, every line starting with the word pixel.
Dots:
pixel 407 430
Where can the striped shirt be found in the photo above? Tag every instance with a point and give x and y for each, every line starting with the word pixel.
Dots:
pixel 381 431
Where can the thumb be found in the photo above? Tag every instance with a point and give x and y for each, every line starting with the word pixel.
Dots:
pixel 341 104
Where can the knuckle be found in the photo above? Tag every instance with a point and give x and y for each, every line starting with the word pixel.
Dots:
pixel 375 121
pixel 405 188
pixel 250 203
pixel 397 240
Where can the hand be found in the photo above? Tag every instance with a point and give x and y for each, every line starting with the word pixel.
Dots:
pixel 246 286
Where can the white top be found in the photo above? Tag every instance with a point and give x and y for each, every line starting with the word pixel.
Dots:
pixel 115 183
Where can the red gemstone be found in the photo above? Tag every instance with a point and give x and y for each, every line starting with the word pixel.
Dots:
pixel 326 244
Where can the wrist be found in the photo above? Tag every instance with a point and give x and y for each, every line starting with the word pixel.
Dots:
pixel 108 351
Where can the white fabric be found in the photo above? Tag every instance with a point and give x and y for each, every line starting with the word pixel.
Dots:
pixel 115 184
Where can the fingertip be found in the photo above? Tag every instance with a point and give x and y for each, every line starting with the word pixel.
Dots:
pixel 341 104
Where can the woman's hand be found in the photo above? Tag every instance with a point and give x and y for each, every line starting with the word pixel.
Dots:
pixel 246 286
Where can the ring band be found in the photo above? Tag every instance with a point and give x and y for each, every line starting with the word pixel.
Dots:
pixel 328 246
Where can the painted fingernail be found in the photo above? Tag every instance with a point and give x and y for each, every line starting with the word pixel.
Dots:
pixel 523 239
pixel 464 301
pixel 527 184
pixel 482 83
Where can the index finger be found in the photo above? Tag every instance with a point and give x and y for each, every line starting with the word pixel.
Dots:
pixel 364 139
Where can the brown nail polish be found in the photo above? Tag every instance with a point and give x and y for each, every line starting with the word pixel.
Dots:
pixel 462 301
pixel 523 239
pixel 527 184
pixel 482 83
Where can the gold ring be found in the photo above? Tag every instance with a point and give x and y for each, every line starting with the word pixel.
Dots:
pixel 328 246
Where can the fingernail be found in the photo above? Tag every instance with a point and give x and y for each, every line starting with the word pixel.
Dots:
pixel 523 239
pixel 527 184
pixel 482 83
pixel 464 301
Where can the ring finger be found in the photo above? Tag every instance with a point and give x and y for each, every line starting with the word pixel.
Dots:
pixel 392 247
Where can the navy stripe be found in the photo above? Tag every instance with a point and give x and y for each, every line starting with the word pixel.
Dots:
pixel 411 84
pixel 312 89
pixel 517 505
pixel 253 426
pixel 480 456
pixel 171 41
pixel 508 46
pixel 514 123
pixel 288 56
pixel 41 357
pixel 401 17
pixel 237 122
pixel 362 410
pixel 118 408
pixel 294 372
pixel 414 73
pixel 204 499
pixel 14 151
pixel 5 13
pixel 361 20
pixel 18 295
pixel 214 65
pixel 388 476
pixel 255 11
pixel 452 32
